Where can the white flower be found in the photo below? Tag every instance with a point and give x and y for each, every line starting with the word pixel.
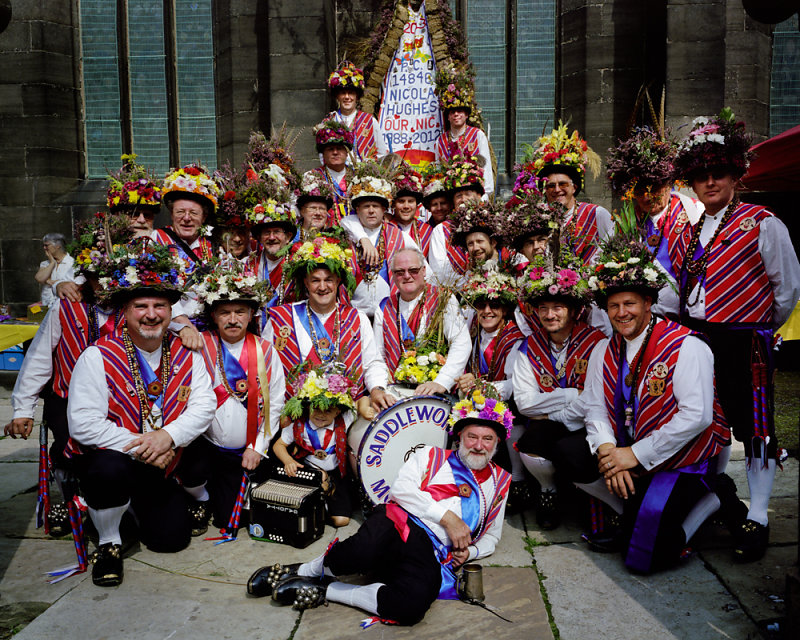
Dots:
pixel 634 260
pixel 612 265
pixel 422 361
pixel 249 281
pixel 131 275
pixel 651 275
pixel 700 121
pixel 593 283
pixel 715 137
pixel 104 282
pixel 700 139
pixel 211 297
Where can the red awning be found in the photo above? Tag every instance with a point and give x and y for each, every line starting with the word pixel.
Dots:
pixel 777 164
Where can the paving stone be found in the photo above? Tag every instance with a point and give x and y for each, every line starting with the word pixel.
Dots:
pixel 17 477
pixel 591 593
pixel 25 563
pixel 515 591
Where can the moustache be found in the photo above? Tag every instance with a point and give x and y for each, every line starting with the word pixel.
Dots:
pixel 235 325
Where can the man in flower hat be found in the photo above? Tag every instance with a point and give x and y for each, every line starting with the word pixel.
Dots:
pixel 313 202
pixel 346 85
pixel 335 142
pixel 371 195
pixel 323 329
pixel 739 281
pixel 434 196
pixel 134 190
pixel 408 187
pixel 248 380
pixel 135 399
pixel 456 94
pixel 446 508
pixel 550 374
pixel 66 331
pixel 560 162
pixel 654 425
pixel 475 229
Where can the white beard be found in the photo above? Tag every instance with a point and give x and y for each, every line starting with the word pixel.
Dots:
pixel 475 461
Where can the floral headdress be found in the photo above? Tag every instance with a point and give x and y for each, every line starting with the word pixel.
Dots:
pixel 226 281
pixel 463 172
pixel 474 216
pixel 542 279
pixel 267 199
pixel 408 182
pixel 132 185
pixel 560 152
pixel 90 247
pixel 529 214
pixel 719 141
pixel 347 76
pixel 273 156
pixel 322 387
pixel 625 263
pixel 313 187
pixel 644 159
pixel 332 131
pixel 455 88
pixel 140 268
pixel 192 181
pixel 322 251
pixel 371 180
pixel 480 409
pixel 230 209
pixel 433 175
pixel 492 285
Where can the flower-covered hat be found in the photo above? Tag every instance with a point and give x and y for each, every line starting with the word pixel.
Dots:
pixel 719 141
pixel 455 88
pixel 323 251
pixel 408 182
pixel 371 180
pixel 230 209
pixel 330 132
pixel 314 188
pixel 142 268
pixel 529 214
pixel 273 157
pixel 133 186
pixel 644 159
pixel 192 182
pixel 347 76
pixel 268 201
pixel 322 387
pixel 473 217
pixel 490 285
pixel 559 152
pixel 433 175
pixel 90 247
pixel 568 281
pixel 481 410
pixel 463 172
pixel 226 281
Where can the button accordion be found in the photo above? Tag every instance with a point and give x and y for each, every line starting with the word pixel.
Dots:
pixel 288 510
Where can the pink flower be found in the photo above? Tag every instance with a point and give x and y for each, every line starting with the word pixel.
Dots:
pixel 536 273
pixel 567 278
pixel 552 289
pixel 451 87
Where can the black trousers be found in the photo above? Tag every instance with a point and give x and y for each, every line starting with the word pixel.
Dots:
pixel 110 479
pixel 409 570
pixel 54 415
pixel 567 450
pixel 221 469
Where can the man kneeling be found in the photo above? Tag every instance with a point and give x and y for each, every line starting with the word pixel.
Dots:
pixel 446 509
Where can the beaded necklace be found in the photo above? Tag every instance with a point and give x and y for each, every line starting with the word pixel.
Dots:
pixel 631 379
pixel 241 386
pixel 155 388
pixel 371 271
pixel 322 345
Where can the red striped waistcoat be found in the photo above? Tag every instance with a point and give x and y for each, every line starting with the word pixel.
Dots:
pixel 505 341
pixel 585 235
pixel 656 411
pixel 467 144
pixel 365 136
pixel 392 345
pixel 582 342
pixel 459 259
pixel 393 241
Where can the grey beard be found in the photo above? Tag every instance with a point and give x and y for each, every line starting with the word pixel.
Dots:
pixel 475 461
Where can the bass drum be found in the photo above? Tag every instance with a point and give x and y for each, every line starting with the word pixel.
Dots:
pixel 392 437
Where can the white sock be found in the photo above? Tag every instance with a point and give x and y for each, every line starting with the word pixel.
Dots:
pixel 314 568
pixel 354 595
pixel 541 469
pixel 723 459
pixel 517 470
pixel 599 490
pixel 106 521
pixel 760 479
pixel 706 506
pixel 199 493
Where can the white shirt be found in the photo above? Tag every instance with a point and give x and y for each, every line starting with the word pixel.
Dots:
pixel 37 367
pixel 692 386
pixel 505 386
pixel 407 493
pixel 455 333
pixel 780 263
pixel 228 428
pixel 367 295
pixel 443 272
pixel 64 271
pixel 373 366
pixel 330 461
pixel 87 410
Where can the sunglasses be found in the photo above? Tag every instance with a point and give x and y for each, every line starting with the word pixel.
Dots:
pixel 413 272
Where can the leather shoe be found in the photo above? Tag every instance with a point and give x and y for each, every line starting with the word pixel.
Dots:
pixel 263 581
pixel 751 541
pixel 199 515
pixel 107 565
pixel 58 520
pixel 301 592
pixel 547 516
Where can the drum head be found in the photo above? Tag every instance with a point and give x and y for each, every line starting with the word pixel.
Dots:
pixel 394 435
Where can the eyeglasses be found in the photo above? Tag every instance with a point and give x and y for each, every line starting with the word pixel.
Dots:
pixel 413 272
pixel 188 212
pixel 552 186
